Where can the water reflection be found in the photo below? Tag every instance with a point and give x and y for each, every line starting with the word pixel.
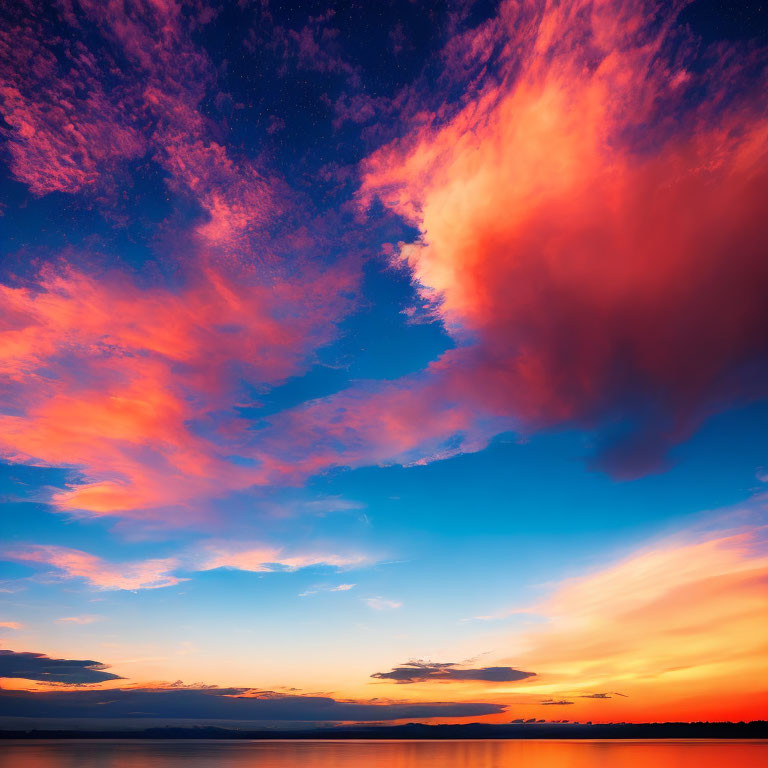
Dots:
pixel 382 754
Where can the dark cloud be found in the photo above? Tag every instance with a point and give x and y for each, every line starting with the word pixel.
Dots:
pixel 222 704
pixel 37 666
pixel 552 703
pixel 420 671
pixel 608 695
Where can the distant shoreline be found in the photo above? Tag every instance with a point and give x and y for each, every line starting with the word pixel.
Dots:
pixel 700 730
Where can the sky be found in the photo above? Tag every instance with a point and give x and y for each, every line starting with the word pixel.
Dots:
pixel 383 362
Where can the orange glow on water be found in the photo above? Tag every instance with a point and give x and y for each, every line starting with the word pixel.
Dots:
pixel 387 754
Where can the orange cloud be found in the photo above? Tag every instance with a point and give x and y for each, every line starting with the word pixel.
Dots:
pixel 677 629
pixel 592 234
pixel 592 227
pixel 137 386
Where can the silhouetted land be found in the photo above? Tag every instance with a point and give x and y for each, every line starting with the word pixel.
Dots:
pixel 757 729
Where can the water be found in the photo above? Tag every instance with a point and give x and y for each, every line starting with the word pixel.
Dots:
pixel 651 753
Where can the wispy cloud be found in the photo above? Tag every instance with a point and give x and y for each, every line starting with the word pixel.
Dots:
pixel 382 603
pixel 338 588
pixel 596 190
pixel 164 572
pixel 74 563
pixel 86 619
pixel 672 626
pixel 134 368
pixel 267 559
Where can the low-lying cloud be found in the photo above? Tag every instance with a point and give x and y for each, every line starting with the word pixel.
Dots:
pixel 422 672
pixel 223 704
pixel 37 666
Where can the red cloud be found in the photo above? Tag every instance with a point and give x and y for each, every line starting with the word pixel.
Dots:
pixel 137 387
pixel 594 239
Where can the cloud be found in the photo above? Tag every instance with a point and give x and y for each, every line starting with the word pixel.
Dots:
pixel 590 234
pixel 87 619
pixel 75 564
pixel 554 703
pixel 568 312
pixel 267 559
pixel 137 86
pixel 135 376
pixel 373 424
pixel 619 155
pixel 38 666
pixel 142 388
pixel 422 672
pixel 10 625
pixel 314 47
pixel 677 625
pixel 223 704
pixel 338 588
pixel 601 695
pixel 161 572
pixel 382 603
pixel 65 132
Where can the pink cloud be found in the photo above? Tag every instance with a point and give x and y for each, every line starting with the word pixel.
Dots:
pixel 410 421
pixel 86 619
pixel 75 564
pixel 161 572
pixel 588 278
pixel 315 46
pixel 236 198
pixel 266 559
pixel 66 130
pixel 64 141
pixel 138 387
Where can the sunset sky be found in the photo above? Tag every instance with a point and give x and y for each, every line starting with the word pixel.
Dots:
pixel 383 361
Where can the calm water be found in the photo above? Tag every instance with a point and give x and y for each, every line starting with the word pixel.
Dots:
pixel 383 754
